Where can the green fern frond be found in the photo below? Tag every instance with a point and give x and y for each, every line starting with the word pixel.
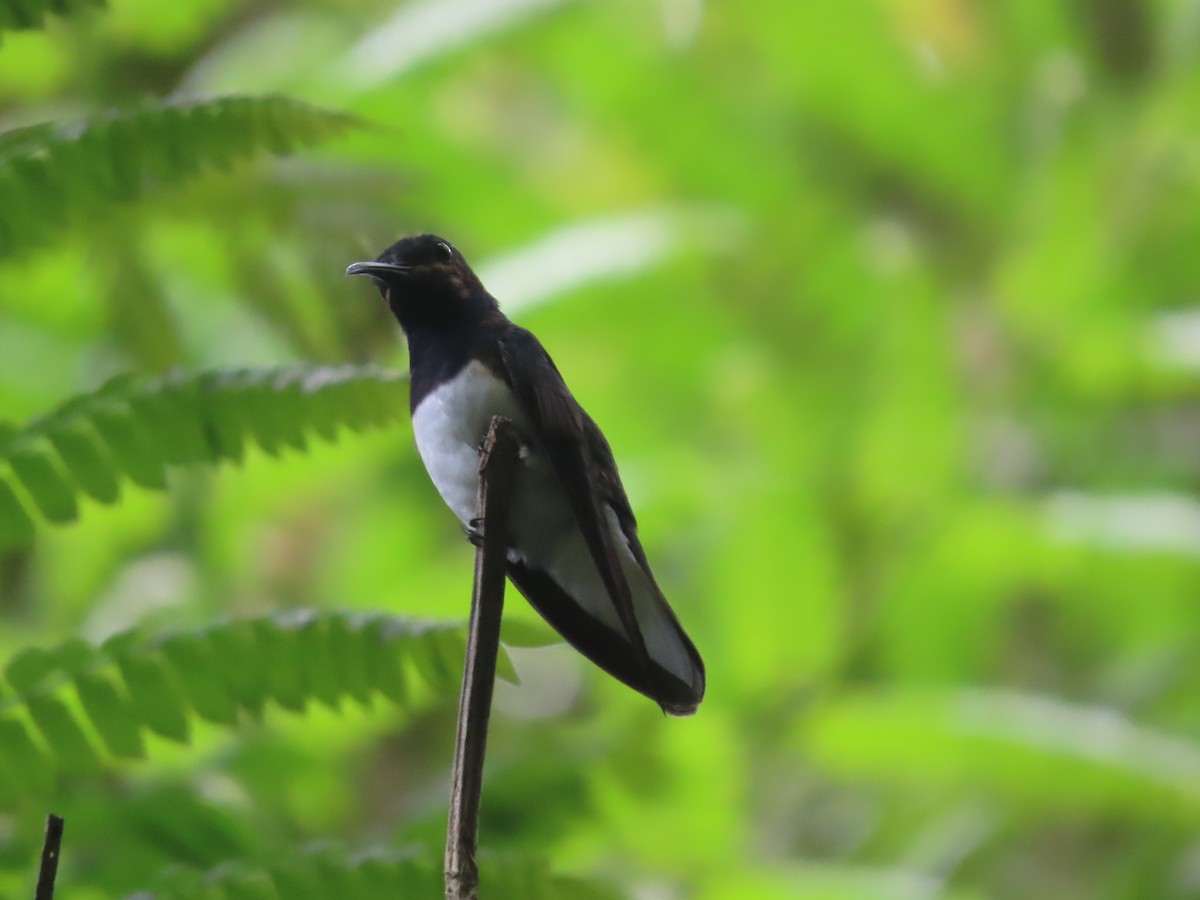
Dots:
pixel 330 872
pixel 17 15
pixel 52 176
pixel 132 429
pixel 74 706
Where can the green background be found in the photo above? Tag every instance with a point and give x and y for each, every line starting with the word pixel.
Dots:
pixel 888 309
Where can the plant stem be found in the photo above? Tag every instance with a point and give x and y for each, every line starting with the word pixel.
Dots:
pixel 51 849
pixel 497 471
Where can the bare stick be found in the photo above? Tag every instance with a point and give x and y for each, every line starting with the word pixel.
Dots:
pixel 50 852
pixel 497 470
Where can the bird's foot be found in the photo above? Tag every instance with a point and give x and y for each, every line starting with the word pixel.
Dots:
pixel 475 532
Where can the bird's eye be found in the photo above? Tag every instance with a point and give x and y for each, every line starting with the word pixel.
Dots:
pixel 444 251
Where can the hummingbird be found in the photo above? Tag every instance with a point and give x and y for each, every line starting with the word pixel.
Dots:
pixel 573 549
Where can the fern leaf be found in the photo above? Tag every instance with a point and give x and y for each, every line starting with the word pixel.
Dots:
pixel 72 707
pixel 17 15
pixel 332 872
pixel 52 177
pixel 133 429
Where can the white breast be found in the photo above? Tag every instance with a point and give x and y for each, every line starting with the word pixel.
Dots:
pixel 449 425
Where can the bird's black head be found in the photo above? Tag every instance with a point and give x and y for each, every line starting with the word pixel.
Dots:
pixel 426 281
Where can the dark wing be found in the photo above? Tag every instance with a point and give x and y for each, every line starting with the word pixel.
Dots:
pixel 605 647
pixel 673 694
pixel 572 441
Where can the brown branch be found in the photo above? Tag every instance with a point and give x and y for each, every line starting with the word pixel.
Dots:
pixel 50 853
pixel 497 471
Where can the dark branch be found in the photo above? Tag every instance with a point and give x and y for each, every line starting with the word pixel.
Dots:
pixel 50 853
pixel 497 471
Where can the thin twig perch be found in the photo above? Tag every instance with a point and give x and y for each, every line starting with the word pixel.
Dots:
pixel 497 471
pixel 51 849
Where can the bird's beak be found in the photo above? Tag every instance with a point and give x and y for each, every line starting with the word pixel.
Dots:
pixel 377 269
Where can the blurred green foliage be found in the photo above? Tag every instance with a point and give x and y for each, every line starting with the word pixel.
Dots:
pixel 889 310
